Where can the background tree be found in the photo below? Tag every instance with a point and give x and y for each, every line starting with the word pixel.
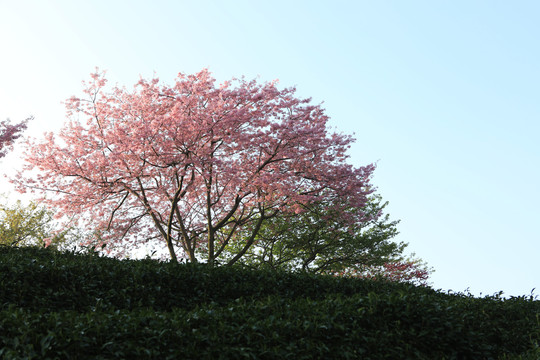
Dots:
pixel 9 133
pixel 26 225
pixel 194 164
pixel 321 241
pixel 408 270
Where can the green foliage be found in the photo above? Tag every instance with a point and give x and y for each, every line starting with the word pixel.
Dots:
pixel 321 240
pixel 73 306
pixel 26 225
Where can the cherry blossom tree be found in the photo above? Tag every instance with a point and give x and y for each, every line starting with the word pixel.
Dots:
pixel 410 270
pixel 9 133
pixel 192 164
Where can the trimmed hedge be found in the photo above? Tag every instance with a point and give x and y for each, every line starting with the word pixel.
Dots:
pixel 37 278
pixel 69 306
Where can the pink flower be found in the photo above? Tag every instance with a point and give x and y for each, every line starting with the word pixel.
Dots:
pixel 47 241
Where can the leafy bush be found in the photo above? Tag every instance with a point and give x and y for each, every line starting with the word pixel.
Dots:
pixel 65 305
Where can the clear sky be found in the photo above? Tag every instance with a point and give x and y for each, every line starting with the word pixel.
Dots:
pixel 443 95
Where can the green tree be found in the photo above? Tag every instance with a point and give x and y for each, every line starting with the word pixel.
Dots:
pixel 27 225
pixel 321 241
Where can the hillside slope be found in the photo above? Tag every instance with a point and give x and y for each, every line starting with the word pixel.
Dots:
pixel 66 305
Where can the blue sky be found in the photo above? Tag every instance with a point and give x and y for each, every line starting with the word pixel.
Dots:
pixel 444 96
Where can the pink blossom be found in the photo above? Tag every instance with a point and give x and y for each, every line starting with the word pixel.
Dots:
pixel 47 241
pixel 9 133
pixel 192 163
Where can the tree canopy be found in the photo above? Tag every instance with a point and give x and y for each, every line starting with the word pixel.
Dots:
pixel 9 133
pixel 193 164
pixel 29 225
pixel 321 241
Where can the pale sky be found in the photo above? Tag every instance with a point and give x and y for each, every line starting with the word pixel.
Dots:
pixel 444 96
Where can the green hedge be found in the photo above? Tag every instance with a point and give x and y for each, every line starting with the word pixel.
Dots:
pixel 36 278
pixel 69 306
